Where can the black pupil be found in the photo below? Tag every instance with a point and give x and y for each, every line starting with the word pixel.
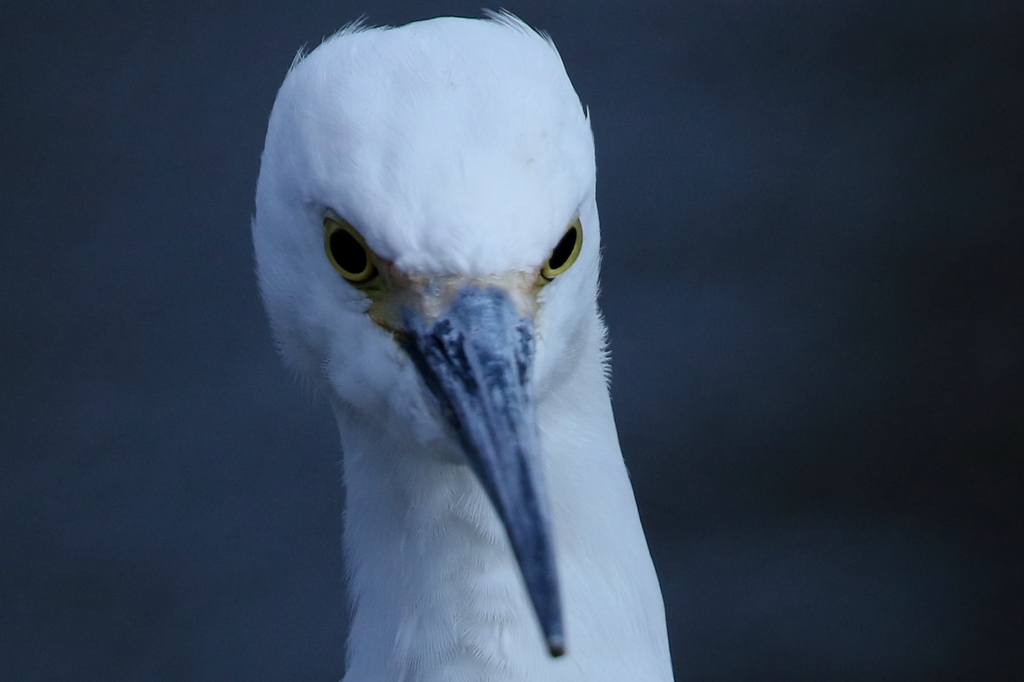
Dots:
pixel 563 250
pixel 348 253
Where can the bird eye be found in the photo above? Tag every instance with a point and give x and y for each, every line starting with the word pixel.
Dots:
pixel 348 252
pixel 565 252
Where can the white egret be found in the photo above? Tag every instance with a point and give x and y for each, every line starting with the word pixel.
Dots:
pixel 426 237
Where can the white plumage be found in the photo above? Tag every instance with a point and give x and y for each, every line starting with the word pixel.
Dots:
pixel 458 150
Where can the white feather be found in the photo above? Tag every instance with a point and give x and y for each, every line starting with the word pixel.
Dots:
pixel 456 147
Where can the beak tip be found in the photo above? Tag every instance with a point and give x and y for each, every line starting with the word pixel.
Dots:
pixel 556 645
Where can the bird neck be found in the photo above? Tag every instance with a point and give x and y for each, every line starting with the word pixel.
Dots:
pixel 436 591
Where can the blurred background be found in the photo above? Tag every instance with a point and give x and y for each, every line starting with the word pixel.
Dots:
pixel 813 277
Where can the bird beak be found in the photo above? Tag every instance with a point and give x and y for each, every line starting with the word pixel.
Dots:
pixel 474 358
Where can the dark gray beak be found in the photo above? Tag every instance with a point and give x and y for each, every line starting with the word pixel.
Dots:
pixel 475 361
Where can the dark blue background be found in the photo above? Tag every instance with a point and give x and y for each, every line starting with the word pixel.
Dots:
pixel 813 276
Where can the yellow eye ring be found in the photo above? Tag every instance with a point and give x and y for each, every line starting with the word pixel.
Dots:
pixel 347 251
pixel 565 252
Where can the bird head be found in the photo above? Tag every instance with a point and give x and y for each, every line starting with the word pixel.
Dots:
pixel 426 240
